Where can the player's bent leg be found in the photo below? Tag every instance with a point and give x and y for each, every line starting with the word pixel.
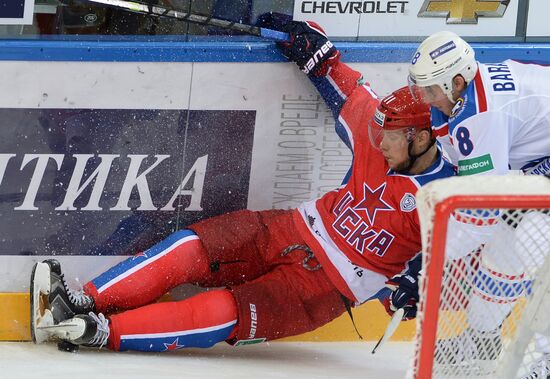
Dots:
pixel 145 277
pixel 504 275
pixel 494 295
pixel 499 282
pixel 200 321
pixel 287 301
pixel 502 278
pixel 244 245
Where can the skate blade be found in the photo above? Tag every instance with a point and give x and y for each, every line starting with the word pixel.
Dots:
pixel 39 291
pixel 64 331
pixel 57 327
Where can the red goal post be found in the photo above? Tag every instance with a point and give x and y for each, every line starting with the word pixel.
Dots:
pixel 447 283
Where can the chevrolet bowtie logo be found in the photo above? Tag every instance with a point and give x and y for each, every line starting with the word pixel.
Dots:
pixel 463 11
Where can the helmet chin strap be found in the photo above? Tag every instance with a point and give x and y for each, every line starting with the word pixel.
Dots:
pixel 413 157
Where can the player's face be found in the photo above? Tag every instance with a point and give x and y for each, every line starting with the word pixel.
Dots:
pixel 434 96
pixel 395 148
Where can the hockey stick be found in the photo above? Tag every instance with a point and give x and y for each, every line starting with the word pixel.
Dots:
pixel 390 329
pixel 160 11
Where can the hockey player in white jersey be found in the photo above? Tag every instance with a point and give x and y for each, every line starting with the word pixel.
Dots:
pixel 494 117
pixel 490 118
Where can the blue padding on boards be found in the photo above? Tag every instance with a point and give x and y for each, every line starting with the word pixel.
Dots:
pixel 235 50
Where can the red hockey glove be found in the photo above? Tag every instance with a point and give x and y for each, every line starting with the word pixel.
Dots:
pixel 309 48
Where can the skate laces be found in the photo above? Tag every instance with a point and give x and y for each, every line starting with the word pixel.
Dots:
pixel 102 333
pixel 76 297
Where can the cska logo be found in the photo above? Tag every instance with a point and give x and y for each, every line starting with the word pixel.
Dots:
pixel 373 202
pixel 463 11
pixel 351 221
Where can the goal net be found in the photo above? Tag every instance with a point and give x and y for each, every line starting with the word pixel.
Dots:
pixel 484 308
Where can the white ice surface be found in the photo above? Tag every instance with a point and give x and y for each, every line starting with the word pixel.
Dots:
pixel 275 360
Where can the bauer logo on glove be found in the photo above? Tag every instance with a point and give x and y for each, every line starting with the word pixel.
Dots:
pixel 309 47
pixel 318 57
pixel 404 288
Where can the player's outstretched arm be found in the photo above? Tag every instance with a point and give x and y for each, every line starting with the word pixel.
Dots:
pixel 315 55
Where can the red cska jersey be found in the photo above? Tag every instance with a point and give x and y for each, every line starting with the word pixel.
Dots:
pixel 368 229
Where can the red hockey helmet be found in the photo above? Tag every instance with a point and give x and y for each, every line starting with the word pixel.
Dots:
pixel 399 112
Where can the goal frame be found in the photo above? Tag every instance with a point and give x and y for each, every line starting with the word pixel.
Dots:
pixel 434 267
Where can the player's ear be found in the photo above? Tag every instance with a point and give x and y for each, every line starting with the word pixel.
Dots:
pixel 459 84
pixel 423 137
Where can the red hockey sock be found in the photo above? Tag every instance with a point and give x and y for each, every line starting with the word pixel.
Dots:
pixel 145 277
pixel 200 321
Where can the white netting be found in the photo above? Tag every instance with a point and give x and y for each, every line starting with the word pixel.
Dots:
pixel 494 236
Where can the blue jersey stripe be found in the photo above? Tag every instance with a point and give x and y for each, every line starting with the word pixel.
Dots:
pixel 177 340
pixel 334 100
pixel 132 262
pixel 440 169
pixel 342 132
pixel 446 171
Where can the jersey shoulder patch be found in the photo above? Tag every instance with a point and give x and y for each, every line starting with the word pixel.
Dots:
pixel 465 107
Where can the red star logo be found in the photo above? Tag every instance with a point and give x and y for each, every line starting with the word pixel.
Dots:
pixel 373 202
pixel 173 346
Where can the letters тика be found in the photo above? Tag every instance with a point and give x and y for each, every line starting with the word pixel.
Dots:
pixel 194 179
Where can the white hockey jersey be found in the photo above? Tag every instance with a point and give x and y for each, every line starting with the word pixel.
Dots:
pixel 501 121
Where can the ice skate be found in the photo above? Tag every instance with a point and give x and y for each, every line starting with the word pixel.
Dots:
pixel 39 292
pixel 478 350
pixel 52 301
pixel 88 330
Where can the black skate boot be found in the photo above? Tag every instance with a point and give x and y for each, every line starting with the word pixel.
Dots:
pixel 64 302
pixel 91 330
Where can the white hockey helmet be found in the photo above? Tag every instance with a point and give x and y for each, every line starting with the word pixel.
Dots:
pixel 438 59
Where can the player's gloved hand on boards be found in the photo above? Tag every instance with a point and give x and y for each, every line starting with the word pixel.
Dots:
pixel 309 48
pixel 405 290
pixel 273 20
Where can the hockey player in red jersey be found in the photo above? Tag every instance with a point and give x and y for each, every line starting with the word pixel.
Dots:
pixel 282 272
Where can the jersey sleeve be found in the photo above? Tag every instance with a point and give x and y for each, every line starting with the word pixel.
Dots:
pixel 339 83
pixel 350 99
pixel 440 130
